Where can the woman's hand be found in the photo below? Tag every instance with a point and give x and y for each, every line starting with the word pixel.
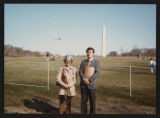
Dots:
pixel 65 86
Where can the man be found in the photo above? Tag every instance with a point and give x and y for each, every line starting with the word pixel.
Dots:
pixel 52 58
pixel 88 72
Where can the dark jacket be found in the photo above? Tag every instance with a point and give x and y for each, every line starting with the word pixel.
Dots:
pixel 93 78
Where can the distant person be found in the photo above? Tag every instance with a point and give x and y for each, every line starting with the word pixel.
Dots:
pixel 52 58
pixel 137 55
pixel 152 65
pixel 66 79
pixel 88 72
pixel 47 57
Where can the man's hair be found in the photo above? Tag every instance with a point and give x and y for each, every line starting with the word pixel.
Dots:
pixel 90 48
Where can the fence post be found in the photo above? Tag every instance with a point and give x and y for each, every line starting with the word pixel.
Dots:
pixel 130 81
pixel 48 76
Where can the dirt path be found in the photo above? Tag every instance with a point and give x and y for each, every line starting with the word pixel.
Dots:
pixel 110 107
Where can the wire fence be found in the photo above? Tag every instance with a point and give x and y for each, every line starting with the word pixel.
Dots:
pixel 121 69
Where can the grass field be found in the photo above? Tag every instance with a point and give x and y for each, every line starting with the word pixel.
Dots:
pixel 112 93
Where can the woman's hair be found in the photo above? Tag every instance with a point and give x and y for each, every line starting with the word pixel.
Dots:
pixel 67 57
pixel 90 48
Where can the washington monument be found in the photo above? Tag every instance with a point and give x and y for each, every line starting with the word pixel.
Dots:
pixel 104 42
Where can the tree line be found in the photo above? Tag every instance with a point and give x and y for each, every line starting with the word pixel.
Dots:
pixel 144 52
pixel 12 51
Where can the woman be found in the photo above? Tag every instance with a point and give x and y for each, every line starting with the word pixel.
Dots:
pixel 66 79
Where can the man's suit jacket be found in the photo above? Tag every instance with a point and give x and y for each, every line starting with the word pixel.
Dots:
pixel 93 78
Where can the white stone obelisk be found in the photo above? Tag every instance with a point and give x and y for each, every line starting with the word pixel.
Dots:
pixel 104 42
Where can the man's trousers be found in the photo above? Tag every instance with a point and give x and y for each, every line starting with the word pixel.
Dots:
pixel 85 94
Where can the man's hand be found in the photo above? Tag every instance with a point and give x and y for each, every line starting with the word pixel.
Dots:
pixel 86 81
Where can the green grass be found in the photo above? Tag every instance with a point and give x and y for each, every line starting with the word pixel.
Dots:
pixel 113 81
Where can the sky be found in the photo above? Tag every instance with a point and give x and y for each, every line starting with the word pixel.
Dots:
pixel 37 27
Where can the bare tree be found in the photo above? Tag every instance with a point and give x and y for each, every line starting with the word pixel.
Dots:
pixel 113 53
pixel 149 52
pixel 127 54
pixel 9 50
pixel 136 52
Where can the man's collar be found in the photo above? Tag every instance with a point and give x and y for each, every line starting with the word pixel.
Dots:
pixel 90 59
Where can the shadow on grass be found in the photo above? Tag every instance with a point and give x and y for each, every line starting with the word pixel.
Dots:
pixel 40 106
